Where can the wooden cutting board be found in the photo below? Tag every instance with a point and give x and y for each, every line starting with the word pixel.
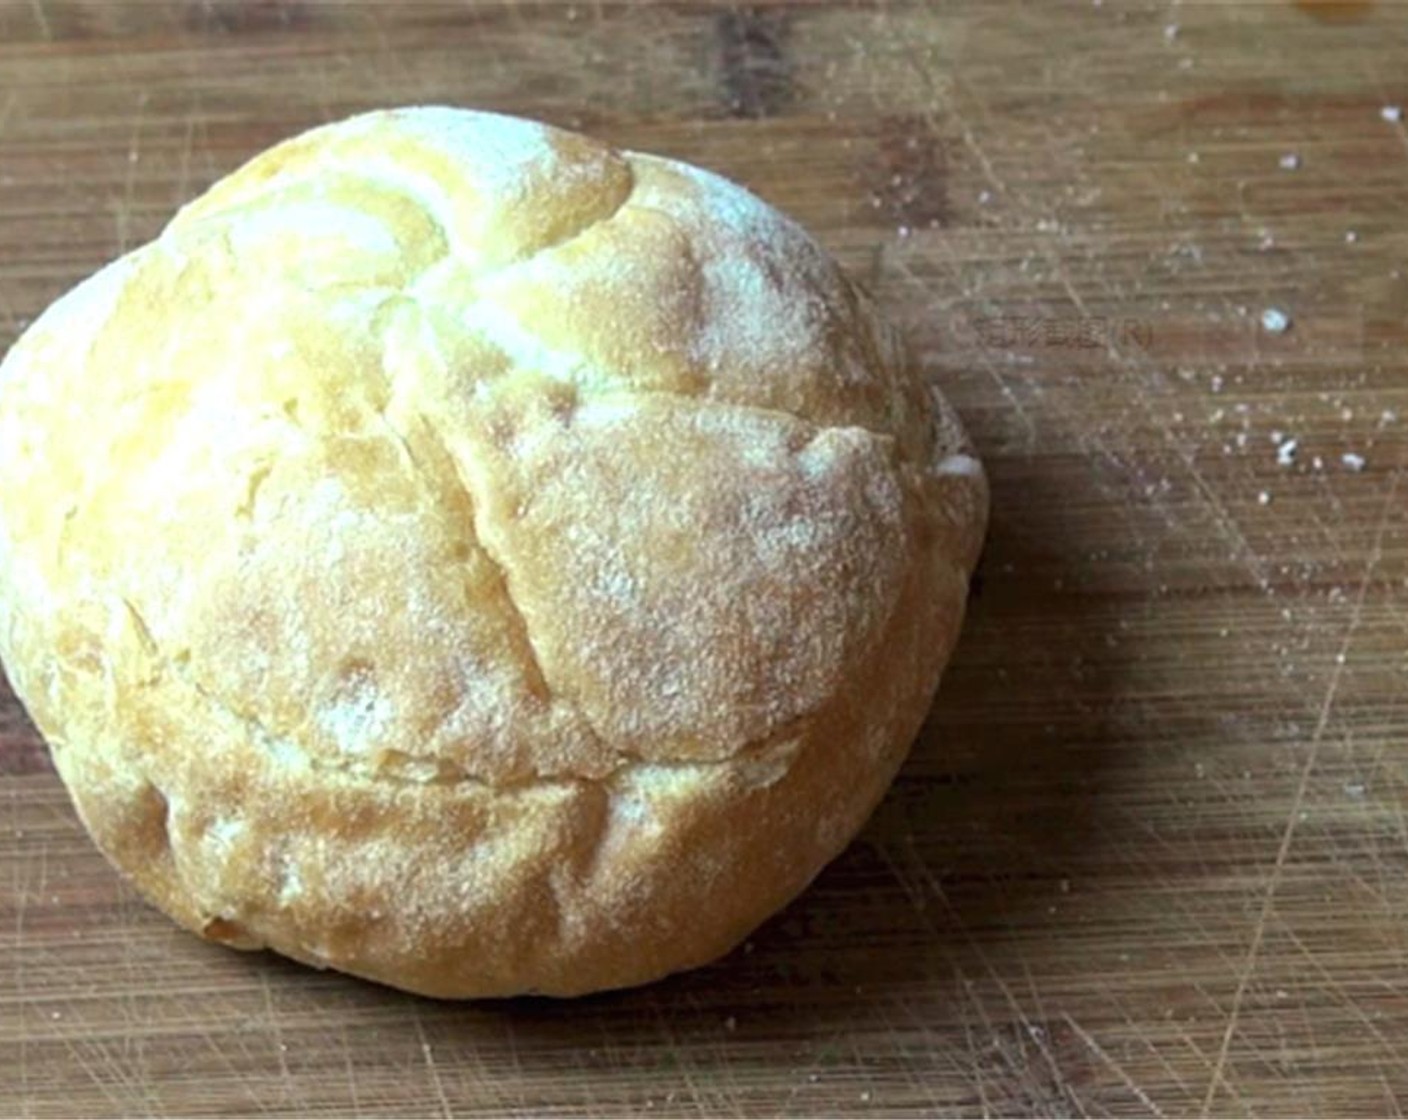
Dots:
pixel 1150 855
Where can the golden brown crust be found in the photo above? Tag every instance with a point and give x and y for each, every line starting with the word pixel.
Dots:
pixel 468 556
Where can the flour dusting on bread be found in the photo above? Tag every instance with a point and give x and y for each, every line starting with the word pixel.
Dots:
pixel 470 556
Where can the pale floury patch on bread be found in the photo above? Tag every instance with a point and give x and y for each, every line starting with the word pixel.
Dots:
pixel 468 556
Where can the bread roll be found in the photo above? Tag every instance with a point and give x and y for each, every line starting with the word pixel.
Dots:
pixel 471 557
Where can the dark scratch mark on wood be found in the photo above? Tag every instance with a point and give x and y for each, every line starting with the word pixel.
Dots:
pixel 21 757
pixel 1336 11
pixel 908 178
pixel 22 751
pixel 235 16
pixel 754 71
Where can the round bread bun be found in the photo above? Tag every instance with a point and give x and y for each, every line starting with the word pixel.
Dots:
pixel 469 556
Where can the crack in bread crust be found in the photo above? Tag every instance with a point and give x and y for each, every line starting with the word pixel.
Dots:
pixel 459 478
pixel 471 537
pixel 448 774
pixel 566 239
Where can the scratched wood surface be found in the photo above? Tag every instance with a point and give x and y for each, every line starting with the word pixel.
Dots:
pixel 1150 855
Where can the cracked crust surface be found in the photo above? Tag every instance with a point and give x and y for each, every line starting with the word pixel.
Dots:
pixel 471 557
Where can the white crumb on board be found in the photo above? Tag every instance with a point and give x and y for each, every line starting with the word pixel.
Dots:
pixel 1275 321
pixel 961 465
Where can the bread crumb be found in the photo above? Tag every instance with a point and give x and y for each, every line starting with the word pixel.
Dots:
pixel 1392 113
pixel 1290 162
pixel 1263 499
pixel 1275 321
pixel 1286 452
pixel 1353 461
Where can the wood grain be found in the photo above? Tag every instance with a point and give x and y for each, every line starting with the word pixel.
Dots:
pixel 1150 856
